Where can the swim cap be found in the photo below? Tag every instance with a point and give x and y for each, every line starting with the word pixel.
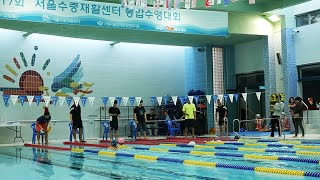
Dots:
pixel 121 141
pixel 192 143
pixel 113 143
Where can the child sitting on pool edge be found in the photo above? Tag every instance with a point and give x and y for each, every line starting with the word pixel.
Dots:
pixel 42 125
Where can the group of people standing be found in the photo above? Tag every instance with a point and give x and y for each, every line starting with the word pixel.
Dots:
pixel 296 109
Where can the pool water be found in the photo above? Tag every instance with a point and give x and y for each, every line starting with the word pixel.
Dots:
pixel 32 163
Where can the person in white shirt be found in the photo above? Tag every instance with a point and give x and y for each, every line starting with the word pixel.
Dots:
pixel 278 109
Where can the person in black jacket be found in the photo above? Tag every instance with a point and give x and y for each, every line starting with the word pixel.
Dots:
pixel 297 118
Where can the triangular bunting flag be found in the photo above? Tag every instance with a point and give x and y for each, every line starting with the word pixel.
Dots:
pixel 69 100
pixel 105 100
pixel 54 100
pixel 174 99
pixel 258 95
pixel 76 101
pixel 165 98
pixel 14 99
pixel 47 100
pixel 61 100
pixel 125 100
pixel 138 100
pixel 83 101
pixel 91 100
pixel 226 2
pixel 209 97
pixel 231 97
pixel 220 97
pixel 131 100
pixel 182 98
pixel 236 96
pixel 245 96
pixel 119 100
pixel 190 98
pixel 197 99
pixel 22 99
pixel 208 3
pixel 38 99
pixel 111 100
pixel 218 1
pixel 226 96
pixel 153 100
pixel 159 99
pixel 215 98
pixel 6 99
pixel 30 99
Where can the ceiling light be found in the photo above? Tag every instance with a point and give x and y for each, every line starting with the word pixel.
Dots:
pixel 274 18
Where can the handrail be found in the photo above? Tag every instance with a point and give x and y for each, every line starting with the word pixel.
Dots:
pixel 307 111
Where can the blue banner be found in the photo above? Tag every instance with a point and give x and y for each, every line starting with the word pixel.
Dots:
pixel 22 99
pixel 83 101
pixel 119 99
pixel 6 99
pixel 38 99
pixel 196 98
pixel 226 97
pixel 54 100
pixel 153 100
pixel 131 100
pixel 226 2
pixel 109 15
pixel 69 100
pixel 215 97
pixel 105 100
pixel 236 96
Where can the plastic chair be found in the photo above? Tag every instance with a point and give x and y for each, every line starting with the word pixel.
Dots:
pixel 106 125
pixel 34 133
pixel 133 125
pixel 171 129
pixel 77 132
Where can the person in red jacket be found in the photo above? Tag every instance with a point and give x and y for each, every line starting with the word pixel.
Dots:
pixel 42 125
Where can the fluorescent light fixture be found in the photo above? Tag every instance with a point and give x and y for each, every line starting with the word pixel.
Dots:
pixel 274 18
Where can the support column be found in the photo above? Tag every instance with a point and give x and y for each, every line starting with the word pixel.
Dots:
pixel 289 65
pixel 269 70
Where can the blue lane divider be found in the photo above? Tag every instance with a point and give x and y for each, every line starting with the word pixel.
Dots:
pixel 280 151
pixel 234 143
pixel 266 140
pixel 170 160
pixel 180 151
pixel 230 155
pixel 125 154
pixel 229 148
pixel 280 145
pixel 91 151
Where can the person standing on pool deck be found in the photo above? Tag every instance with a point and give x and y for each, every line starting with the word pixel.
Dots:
pixel 114 112
pixel 141 118
pixel 75 118
pixel 223 112
pixel 297 112
pixel 189 110
pixel 278 109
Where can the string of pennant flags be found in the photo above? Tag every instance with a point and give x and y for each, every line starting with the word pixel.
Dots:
pixel 155 100
pixel 188 4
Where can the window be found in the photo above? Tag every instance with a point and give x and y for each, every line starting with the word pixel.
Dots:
pixel 217 56
pixel 308 18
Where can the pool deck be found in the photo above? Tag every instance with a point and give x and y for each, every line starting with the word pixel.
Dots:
pixel 251 136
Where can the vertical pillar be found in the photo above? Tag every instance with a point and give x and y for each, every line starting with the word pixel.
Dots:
pixel 209 81
pixel 269 70
pixel 289 67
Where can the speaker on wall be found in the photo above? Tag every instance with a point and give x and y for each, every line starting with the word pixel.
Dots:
pixel 279 58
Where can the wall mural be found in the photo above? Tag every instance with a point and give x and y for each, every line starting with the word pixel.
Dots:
pixel 31 83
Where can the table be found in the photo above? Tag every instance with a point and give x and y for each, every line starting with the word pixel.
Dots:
pixel 17 130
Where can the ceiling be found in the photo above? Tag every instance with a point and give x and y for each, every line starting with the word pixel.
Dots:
pixel 125 35
pixel 150 37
